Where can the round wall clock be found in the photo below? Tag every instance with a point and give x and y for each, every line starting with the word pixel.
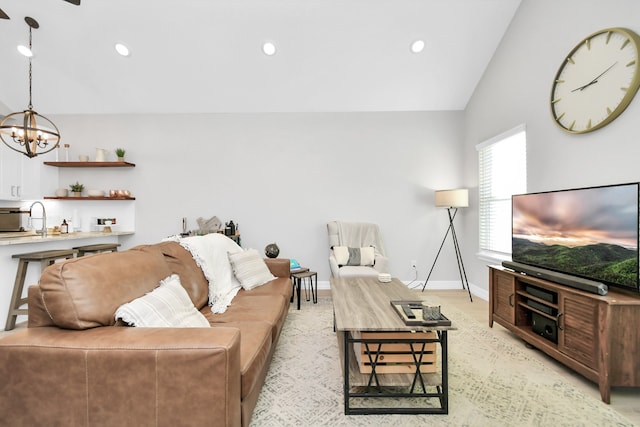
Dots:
pixel 597 80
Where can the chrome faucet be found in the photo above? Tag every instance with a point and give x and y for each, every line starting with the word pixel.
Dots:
pixel 44 217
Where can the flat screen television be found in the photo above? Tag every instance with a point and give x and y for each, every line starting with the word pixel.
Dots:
pixel 587 232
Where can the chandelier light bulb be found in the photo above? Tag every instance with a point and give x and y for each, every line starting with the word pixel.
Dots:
pixel 24 50
pixel 269 48
pixel 417 46
pixel 122 49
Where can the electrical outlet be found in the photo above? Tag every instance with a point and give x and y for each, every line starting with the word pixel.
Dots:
pixel 413 263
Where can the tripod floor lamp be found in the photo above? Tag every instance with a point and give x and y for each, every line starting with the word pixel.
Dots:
pixel 452 200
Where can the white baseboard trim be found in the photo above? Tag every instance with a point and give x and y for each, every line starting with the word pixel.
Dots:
pixel 439 285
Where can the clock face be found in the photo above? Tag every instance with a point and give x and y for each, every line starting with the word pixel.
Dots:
pixel 597 81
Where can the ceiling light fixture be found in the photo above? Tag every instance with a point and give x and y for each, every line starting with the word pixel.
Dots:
pixel 21 130
pixel 122 49
pixel 269 48
pixel 417 46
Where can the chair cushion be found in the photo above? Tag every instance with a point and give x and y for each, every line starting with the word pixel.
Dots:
pixel 358 271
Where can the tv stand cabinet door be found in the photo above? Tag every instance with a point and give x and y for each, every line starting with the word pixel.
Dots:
pixel 502 296
pixel 578 328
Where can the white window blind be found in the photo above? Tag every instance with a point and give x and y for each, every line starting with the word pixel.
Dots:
pixel 503 173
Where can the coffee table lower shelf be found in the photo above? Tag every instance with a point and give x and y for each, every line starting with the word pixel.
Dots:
pixel 370 388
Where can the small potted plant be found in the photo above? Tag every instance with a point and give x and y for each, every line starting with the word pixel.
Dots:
pixel 120 153
pixel 77 189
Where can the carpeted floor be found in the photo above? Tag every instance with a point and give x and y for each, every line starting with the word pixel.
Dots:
pixel 492 382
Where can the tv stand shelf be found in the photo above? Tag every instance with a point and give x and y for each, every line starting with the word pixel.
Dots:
pixel 596 336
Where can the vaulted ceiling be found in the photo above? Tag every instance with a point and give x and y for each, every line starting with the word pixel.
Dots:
pixel 197 56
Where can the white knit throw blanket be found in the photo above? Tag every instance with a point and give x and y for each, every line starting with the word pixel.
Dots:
pixel 210 252
pixel 360 234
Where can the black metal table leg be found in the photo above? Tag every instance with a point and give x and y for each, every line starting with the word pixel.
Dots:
pixel 314 292
pixel 445 371
pixel 346 391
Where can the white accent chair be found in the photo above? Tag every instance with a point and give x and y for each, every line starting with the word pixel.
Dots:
pixel 356 235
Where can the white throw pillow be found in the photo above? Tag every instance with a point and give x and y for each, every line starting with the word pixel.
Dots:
pixel 250 269
pixel 168 305
pixel 367 256
pixel 354 256
pixel 341 253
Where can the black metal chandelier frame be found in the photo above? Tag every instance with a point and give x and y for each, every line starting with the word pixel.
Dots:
pixel 28 132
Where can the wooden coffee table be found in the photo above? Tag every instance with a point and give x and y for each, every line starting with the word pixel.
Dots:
pixel 394 360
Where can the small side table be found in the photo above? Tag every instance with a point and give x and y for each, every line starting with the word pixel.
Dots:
pixel 296 285
pixel 310 277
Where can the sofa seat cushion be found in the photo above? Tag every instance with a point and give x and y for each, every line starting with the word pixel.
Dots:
pixel 255 353
pixel 269 309
pixel 277 286
pixel 85 292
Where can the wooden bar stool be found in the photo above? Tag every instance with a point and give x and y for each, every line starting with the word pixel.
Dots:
pixel 94 249
pixel 45 258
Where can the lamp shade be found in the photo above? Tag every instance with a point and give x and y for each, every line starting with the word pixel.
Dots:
pixel 458 198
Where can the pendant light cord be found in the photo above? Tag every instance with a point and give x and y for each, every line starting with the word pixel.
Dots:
pixel 30 69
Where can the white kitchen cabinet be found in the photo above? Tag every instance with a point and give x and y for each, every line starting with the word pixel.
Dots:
pixel 23 178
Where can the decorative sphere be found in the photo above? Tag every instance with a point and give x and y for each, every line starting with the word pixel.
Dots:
pixel 272 250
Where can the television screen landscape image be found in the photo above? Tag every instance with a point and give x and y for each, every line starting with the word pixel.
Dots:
pixel 588 232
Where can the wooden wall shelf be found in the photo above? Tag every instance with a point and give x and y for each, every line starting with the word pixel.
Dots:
pixel 89 198
pixel 91 164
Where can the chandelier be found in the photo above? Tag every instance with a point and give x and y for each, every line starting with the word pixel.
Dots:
pixel 28 132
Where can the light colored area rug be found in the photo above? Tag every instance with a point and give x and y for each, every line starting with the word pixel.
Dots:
pixel 491 382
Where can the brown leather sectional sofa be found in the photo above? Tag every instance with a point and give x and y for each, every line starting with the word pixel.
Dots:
pixel 73 366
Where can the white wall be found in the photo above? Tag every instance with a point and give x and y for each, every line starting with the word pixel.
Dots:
pixel 281 177
pixel 516 88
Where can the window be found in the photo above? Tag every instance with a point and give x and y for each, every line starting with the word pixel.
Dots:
pixel 503 172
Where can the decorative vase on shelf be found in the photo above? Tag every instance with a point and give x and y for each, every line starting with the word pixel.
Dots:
pixel 77 194
pixel 101 154
pixel 272 250
pixel 121 159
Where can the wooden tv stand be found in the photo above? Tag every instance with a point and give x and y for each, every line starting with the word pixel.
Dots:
pixel 597 336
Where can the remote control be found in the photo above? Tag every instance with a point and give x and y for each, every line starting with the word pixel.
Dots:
pixel 408 312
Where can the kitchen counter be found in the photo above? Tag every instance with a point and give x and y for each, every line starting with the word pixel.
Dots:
pixel 6 241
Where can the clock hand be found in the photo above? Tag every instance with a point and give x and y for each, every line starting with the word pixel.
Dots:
pixel 595 80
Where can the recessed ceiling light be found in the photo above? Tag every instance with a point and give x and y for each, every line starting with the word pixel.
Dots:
pixel 122 49
pixel 417 46
pixel 25 51
pixel 269 48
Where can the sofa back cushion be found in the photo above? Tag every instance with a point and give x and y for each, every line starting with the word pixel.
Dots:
pixel 85 292
pixel 181 262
